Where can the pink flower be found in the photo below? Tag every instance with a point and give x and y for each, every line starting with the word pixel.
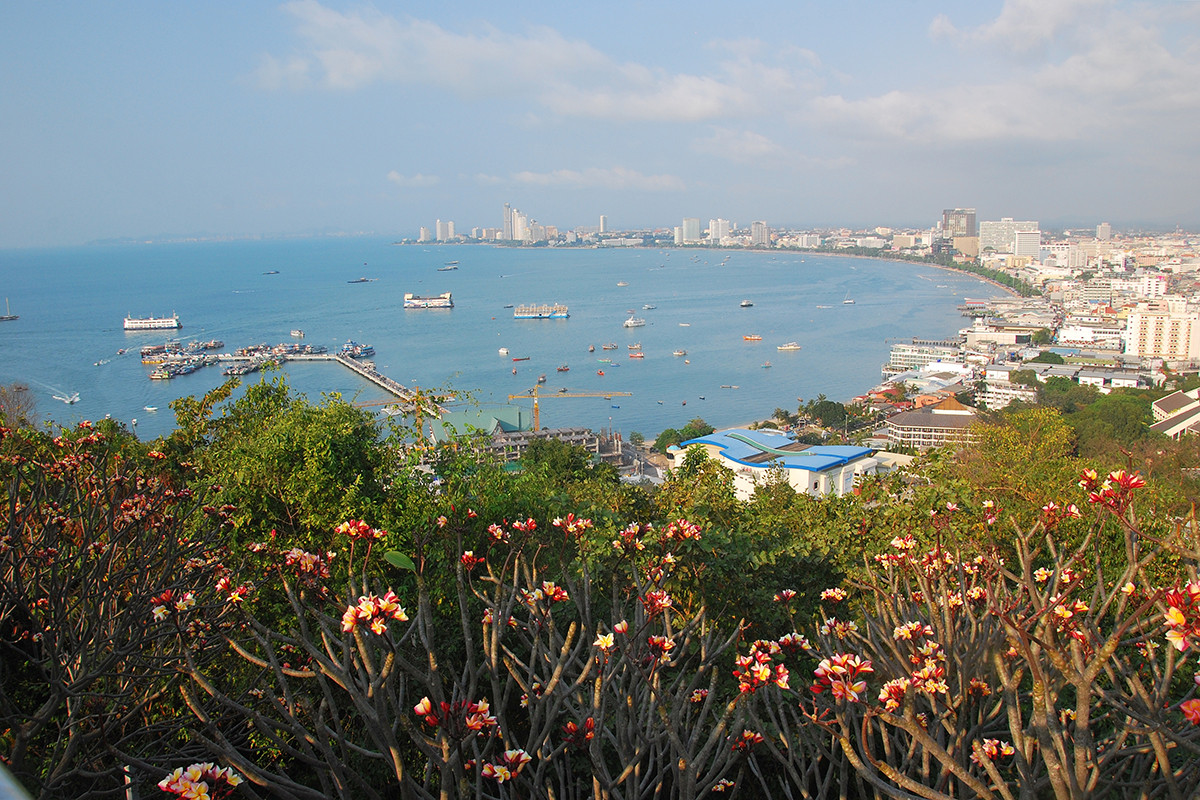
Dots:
pixel 1191 710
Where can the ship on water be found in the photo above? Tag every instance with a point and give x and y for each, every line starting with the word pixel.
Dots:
pixel 544 311
pixel 152 323
pixel 439 301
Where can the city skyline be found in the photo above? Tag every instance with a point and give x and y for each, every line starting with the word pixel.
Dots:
pixel 148 120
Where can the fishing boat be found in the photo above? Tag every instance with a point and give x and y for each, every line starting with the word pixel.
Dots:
pixel 745 304
pixel 541 378
pixel 635 346
pixel 648 307
pixel 361 280
pixel 520 358
pixel 752 337
pixel 638 354
pixel 563 368
pixel 766 365
pixel 609 346
pixel 622 283
pixel 679 353
pixel 299 334
pixel 789 346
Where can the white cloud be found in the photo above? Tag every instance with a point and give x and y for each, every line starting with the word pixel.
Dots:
pixel 743 147
pixel 596 178
pixel 349 50
pixel 418 181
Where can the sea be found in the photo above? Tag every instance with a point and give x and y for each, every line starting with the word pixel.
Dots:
pixel 71 304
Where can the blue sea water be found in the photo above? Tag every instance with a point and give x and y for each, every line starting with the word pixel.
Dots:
pixel 72 302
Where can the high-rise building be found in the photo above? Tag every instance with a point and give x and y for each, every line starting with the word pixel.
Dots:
pixel 445 231
pixel 1163 329
pixel 1027 244
pixel 603 223
pixel 424 235
pixel 718 229
pixel 958 222
pixel 691 230
pixel 1104 231
pixel 760 234
pixel 506 226
pixel 1001 237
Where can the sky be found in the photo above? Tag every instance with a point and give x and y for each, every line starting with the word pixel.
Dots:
pixel 149 120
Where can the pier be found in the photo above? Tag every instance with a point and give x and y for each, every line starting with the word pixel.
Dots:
pixel 367 370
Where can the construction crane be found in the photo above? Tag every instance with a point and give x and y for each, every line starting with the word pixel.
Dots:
pixel 536 394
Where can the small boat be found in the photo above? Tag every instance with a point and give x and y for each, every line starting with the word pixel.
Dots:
pixel 635 346
pixel 360 280
pixel 660 402
pixel 514 370
pixel 599 372
pixel 701 397
pixel 520 358
pixel 591 348
pixel 789 346
pixel 510 305
pixel 150 408
pixel 752 337
pixel 638 354
pixel 614 406
pixel 745 304
pixel 849 301
pixel 503 351
pixel 299 334
pixel 122 351
pixel 69 399
pixel 604 360
pixel 562 390
pixel 271 272
pixel 687 361
pixel 563 368
pixel 679 353
pixel 685 324
pixel 609 346
pixel 622 283
pixel 449 266
pixel 766 365
pixel 648 307
pixel 685 402
pixel 541 378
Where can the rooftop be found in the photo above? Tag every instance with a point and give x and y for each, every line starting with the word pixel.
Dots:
pixel 759 447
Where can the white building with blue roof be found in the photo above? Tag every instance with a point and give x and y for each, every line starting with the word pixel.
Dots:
pixel 812 469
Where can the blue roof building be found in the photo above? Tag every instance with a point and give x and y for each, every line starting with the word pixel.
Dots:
pixel 811 469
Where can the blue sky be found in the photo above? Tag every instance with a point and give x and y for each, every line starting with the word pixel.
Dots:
pixel 152 119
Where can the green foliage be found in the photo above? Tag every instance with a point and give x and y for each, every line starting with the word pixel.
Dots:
pixel 831 414
pixel 1047 357
pixel 1042 336
pixel 1025 377
pixel 1066 395
pixel 1026 453
pixel 1112 422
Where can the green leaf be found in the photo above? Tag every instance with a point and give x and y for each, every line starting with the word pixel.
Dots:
pixel 400 560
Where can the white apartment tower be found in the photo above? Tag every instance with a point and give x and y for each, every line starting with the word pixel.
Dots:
pixel 506 232
pixel 1164 329
pixel 1001 237
pixel 424 235
pixel 760 234
pixel 718 229
pixel 604 223
pixel 691 230
pixel 1028 244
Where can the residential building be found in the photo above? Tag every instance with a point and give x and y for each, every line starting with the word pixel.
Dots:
pixel 603 223
pixel 760 234
pixel 759 456
pixel 1000 237
pixel 1177 413
pixel 906 357
pixel 1163 328
pixel 947 422
pixel 999 394
pixel 506 232
pixel 718 230
pixel 424 235
pixel 1104 231
pixel 691 230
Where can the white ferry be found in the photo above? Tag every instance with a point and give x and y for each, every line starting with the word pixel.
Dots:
pixel 440 301
pixel 634 322
pixel 152 323
pixel 556 311
pixel 789 346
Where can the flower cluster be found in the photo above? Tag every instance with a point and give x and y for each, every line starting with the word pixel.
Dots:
pixel 233 595
pixel 681 530
pixel 1053 513
pixel 459 719
pixel 357 529
pixel 167 603
pixel 470 561
pixel 841 674
pixel 656 602
pixel 785 595
pixel 792 643
pixel 510 764
pixel 747 740
pixel 891 696
pixel 991 749
pixel 840 628
pixel 572 524
pixel 755 669
pixel 1182 616
pixel 579 735
pixel 308 564
pixel 834 595
pixel 1115 493
pixel 204 781
pixel 374 612
pixel 630 540
pixel 549 591
pixel 661 647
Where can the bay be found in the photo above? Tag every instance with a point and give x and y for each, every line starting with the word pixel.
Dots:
pixel 72 302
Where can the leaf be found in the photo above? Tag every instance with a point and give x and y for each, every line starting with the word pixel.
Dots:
pixel 400 560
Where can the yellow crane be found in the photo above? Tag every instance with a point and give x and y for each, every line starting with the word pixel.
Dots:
pixel 536 394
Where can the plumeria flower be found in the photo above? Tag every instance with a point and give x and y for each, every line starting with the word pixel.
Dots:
pixel 605 641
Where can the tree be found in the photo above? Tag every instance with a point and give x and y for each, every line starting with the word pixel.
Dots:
pixel 830 413
pixel 1047 357
pixel 1042 336
pixel 667 439
pixel 18 406
pixel 637 439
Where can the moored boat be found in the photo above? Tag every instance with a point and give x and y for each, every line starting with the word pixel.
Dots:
pixel 752 337
pixel 563 368
pixel 442 300
pixel 789 346
pixel 745 304
pixel 299 334
pixel 634 322
pixel 637 354
pixel 543 311
pixel 152 323
pixel 679 353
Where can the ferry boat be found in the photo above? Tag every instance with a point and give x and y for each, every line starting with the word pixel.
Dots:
pixel 152 323
pixel 544 311
pixel 752 337
pixel 355 350
pixel 634 322
pixel 745 304
pixel 440 301
pixel 789 346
